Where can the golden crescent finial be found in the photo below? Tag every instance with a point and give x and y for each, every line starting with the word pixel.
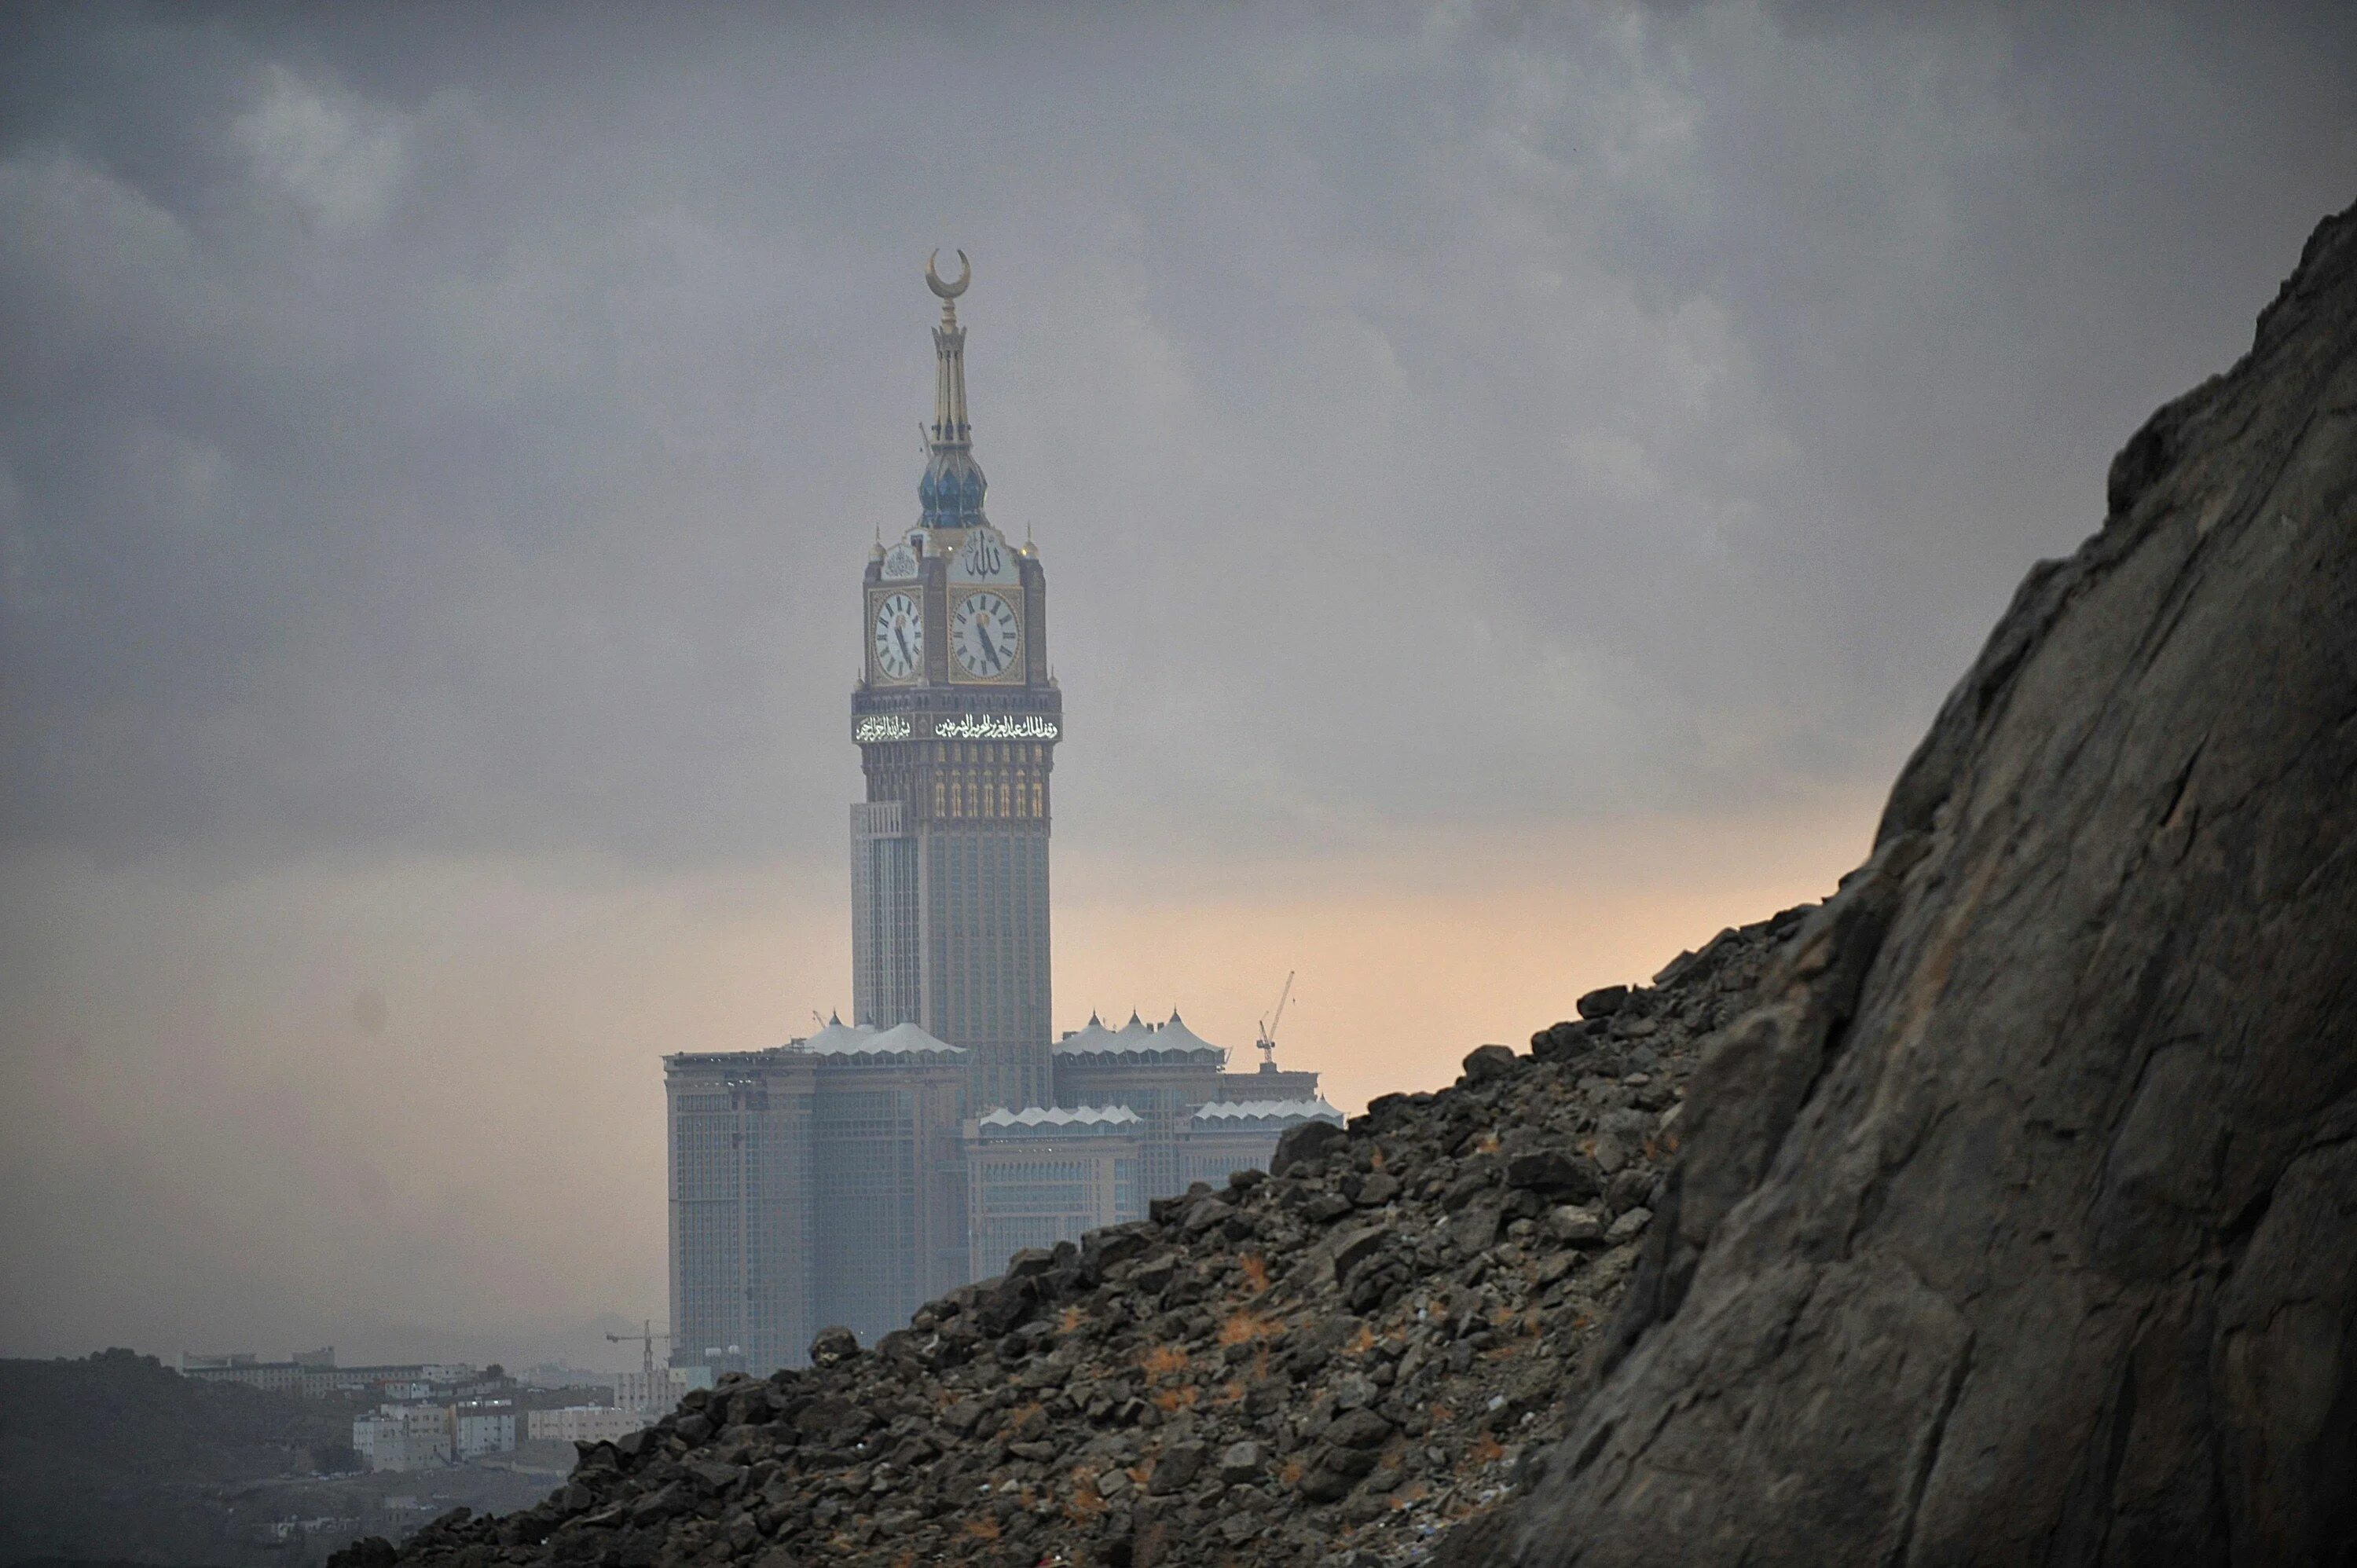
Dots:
pixel 948 290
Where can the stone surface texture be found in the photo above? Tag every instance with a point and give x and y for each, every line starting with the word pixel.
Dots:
pixel 2017 1222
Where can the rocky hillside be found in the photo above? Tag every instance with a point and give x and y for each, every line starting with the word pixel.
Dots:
pixel 2019 1224
pixel 1344 1356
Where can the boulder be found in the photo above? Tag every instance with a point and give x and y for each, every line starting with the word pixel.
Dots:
pixel 1574 1225
pixel 1242 1462
pixel 1029 1261
pixel 1559 1173
pixel 833 1346
pixel 1177 1469
pixel 1602 1002
pixel 1307 1142
pixel 1486 1064
pixel 1361 1428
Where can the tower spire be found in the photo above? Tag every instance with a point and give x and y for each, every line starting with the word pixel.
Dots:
pixel 953 486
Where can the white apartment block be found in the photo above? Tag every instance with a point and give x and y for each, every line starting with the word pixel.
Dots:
pixel 478 1429
pixel 657 1393
pixel 406 1436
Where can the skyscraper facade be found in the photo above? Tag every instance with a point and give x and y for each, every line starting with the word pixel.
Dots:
pixel 847 1176
pixel 956 718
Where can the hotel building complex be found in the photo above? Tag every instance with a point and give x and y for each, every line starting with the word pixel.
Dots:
pixel 850 1175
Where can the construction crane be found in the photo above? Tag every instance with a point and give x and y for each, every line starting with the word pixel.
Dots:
pixel 1267 1041
pixel 647 1336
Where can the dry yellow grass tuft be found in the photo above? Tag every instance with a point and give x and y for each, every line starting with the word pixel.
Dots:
pixel 1255 1268
pixel 1164 1362
pixel 1244 1326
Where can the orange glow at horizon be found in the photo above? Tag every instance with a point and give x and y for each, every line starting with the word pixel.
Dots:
pixel 1408 962
pixel 461 1060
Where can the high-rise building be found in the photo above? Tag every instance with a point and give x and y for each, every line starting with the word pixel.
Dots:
pixel 848 1177
pixel 956 718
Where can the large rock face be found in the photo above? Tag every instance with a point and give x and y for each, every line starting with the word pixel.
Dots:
pixel 2018 1221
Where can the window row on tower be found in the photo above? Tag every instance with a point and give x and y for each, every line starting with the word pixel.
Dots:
pixel 989 795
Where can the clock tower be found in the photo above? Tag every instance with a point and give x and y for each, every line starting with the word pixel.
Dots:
pixel 956 719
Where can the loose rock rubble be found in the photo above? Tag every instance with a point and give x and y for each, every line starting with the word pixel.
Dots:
pixel 1331 1363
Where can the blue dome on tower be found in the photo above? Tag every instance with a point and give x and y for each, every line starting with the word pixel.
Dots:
pixel 952 488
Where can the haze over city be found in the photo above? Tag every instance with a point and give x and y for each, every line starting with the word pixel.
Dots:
pixel 1515 486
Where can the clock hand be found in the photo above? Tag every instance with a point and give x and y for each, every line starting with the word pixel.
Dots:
pixel 900 636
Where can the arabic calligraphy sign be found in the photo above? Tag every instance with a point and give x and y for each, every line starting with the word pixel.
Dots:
pixel 872 728
pixel 986 727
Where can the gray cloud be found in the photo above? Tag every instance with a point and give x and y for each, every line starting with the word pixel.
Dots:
pixel 437 434
pixel 461 428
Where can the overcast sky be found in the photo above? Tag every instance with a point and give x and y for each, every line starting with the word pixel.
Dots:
pixel 1514 482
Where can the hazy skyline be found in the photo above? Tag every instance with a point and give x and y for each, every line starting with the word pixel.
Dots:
pixel 1513 485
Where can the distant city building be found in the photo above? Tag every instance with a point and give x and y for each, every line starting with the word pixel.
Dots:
pixel 658 1393
pixel 1226 1135
pixel 847 1176
pixel 322 1524
pixel 1041 1176
pixel 482 1426
pixel 313 1374
pixel 422 1436
pixel 561 1375
pixel 242 1367
pixel 585 1423
pixel 406 1436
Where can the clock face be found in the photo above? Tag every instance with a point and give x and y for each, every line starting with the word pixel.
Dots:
pixel 983 635
pixel 900 636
